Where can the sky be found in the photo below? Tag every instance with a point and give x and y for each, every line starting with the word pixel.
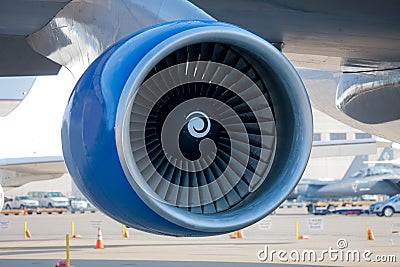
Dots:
pixel 14 88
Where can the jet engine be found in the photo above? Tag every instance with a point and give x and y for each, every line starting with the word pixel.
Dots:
pixel 188 128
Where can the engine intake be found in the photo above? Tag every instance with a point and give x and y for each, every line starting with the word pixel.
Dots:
pixel 188 128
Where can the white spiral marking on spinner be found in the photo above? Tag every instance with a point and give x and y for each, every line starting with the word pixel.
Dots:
pixel 199 124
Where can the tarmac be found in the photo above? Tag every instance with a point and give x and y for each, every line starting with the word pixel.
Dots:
pixel 335 240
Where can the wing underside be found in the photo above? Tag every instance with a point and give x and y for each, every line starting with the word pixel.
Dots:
pixel 15 172
pixel 18 19
pixel 359 32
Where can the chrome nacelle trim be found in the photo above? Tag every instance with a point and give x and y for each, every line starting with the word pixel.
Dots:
pixel 370 97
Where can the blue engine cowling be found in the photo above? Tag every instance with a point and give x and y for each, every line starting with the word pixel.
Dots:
pixel 189 128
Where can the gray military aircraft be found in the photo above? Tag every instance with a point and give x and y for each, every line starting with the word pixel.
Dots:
pixel 382 179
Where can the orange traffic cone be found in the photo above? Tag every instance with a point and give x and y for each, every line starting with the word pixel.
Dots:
pixel 240 233
pixel 28 234
pixel 99 242
pixel 62 263
pixel 25 211
pixel 370 234
pixel 237 234
pixel 233 235
pixel 73 231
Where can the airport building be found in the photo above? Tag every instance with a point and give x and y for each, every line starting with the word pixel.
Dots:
pixel 329 129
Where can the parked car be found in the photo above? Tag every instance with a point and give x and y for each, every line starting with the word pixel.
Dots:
pixel 77 204
pixel 372 208
pixel 388 207
pixel 91 207
pixel 50 199
pixel 20 202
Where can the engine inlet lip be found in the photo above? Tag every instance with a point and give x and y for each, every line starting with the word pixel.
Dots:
pixel 218 32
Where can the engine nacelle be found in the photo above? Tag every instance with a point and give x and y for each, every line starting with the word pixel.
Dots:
pixel 189 128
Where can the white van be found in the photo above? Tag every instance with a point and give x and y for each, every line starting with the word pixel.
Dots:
pixel 50 199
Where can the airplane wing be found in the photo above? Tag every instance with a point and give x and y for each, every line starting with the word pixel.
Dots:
pixel 363 30
pixel 340 148
pixel 316 182
pixel 19 19
pixel 35 165
pixel 184 116
pixel 15 172
pixel 358 29
pixel 395 162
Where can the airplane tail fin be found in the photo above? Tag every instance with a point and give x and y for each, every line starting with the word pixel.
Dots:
pixel 360 162
pixel 387 154
pixel 356 165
